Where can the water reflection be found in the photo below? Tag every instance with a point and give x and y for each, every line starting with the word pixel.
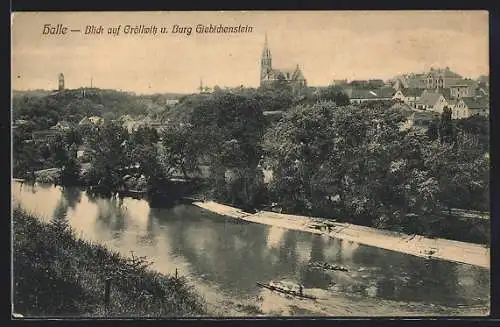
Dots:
pixel 72 196
pixel 232 256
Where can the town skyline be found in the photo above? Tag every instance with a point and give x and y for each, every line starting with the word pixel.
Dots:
pixel 324 50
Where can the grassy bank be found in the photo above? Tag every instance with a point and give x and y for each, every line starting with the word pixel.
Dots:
pixel 58 274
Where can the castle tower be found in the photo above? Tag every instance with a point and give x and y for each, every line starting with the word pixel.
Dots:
pixel 201 86
pixel 265 61
pixel 61 81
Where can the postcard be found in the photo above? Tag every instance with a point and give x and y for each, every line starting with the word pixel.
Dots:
pixel 250 164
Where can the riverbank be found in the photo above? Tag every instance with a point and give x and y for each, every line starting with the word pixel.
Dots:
pixel 57 274
pixel 461 252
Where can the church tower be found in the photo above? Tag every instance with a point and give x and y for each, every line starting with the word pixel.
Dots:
pixel 265 61
pixel 61 82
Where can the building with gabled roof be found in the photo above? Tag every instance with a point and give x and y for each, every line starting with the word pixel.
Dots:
pixel 432 100
pixel 62 126
pixel 409 81
pixel 471 106
pixel 408 96
pixel 463 88
pixel 440 78
pixel 92 120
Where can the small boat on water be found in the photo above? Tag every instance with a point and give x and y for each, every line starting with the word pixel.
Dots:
pixel 327 266
pixel 282 289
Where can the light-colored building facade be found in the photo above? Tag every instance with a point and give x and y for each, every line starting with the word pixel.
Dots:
pixel 431 100
pixel 441 78
pixel 408 96
pixel 463 89
pixel 470 106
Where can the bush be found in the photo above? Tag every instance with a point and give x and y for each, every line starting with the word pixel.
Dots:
pixel 57 274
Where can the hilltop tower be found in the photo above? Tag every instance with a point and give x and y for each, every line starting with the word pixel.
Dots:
pixel 265 62
pixel 61 81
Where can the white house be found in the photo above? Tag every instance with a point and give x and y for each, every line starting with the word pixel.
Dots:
pixel 93 120
pixel 408 96
pixel 430 100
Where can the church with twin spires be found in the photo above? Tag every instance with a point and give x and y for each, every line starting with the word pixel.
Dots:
pixel 269 75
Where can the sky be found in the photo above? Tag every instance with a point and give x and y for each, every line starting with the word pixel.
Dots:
pixel 327 45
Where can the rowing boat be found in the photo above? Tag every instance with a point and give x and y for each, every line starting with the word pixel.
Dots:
pixel 286 291
pixel 327 266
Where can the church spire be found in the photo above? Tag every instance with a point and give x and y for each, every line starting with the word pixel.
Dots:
pixel 266 53
pixel 266 65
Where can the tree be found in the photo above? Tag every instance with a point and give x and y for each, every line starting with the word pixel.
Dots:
pixel 351 162
pixel 180 149
pixel 70 173
pixel 335 94
pixel 462 174
pixel 142 149
pixel 433 130
pixel 108 159
pixel 446 130
pixel 225 132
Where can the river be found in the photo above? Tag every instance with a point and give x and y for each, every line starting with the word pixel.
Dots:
pixel 224 258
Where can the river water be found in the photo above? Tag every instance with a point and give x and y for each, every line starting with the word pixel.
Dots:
pixel 224 258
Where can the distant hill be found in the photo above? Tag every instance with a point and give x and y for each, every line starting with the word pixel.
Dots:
pixel 33 93
pixel 169 96
pixel 49 107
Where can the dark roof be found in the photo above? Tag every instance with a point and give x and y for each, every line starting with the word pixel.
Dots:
pixel 382 93
pixel 446 93
pixel 478 103
pixel 385 92
pixel 484 79
pixel 452 102
pixel 429 98
pixel 412 92
pixel 445 72
pixel 463 82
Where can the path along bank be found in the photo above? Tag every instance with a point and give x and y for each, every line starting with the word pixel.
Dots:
pixel 432 248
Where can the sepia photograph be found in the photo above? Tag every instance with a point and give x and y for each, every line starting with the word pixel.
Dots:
pixel 211 164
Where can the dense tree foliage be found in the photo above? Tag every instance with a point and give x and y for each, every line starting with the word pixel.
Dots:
pixel 327 157
pixel 223 131
pixel 108 157
pixel 358 164
pixel 74 105
pixel 335 94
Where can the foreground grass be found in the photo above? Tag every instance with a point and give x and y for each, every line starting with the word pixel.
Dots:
pixel 58 274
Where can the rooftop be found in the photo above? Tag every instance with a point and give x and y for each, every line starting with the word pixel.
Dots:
pixel 382 93
pixel 478 103
pixel 429 98
pixel 412 92
pixel 444 72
